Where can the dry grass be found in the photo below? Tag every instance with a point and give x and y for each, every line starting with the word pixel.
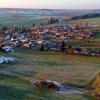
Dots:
pixel 53 66
pixel 31 64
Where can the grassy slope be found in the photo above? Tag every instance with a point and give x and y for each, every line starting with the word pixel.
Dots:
pixel 22 20
pixel 54 66
pixel 32 64
pixel 89 20
pixel 14 88
pixel 92 20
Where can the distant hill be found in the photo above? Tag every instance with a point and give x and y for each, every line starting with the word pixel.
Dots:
pixel 49 12
pixel 86 16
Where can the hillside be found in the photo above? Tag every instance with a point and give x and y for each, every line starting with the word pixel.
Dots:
pixel 93 15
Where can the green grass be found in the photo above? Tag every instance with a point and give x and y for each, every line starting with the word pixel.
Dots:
pixel 15 88
pixel 96 19
pixel 60 67
pixel 89 20
pixel 8 20
pixel 97 35
pixel 32 64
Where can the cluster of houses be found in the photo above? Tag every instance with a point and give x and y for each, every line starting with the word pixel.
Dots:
pixel 65 32
pixel 39 33
pixel 15 36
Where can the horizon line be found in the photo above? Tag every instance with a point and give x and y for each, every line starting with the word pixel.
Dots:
pixel 53 8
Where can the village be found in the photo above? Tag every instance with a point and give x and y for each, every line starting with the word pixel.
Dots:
pixel 48 38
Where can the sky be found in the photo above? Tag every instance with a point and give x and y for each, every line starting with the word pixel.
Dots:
pixel 51 4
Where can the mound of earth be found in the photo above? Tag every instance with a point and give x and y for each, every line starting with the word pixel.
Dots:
pixel 47 84
pixel 55 86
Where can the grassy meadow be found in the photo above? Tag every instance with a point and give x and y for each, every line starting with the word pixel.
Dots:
pixel 14 88
pixel 15 79
pixel 89 20
pixel 20 20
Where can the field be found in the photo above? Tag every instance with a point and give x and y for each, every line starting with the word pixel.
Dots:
pixel 16 78
pixel 14 88
pixel 20 20
pixel 89 20
pixel 35 65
